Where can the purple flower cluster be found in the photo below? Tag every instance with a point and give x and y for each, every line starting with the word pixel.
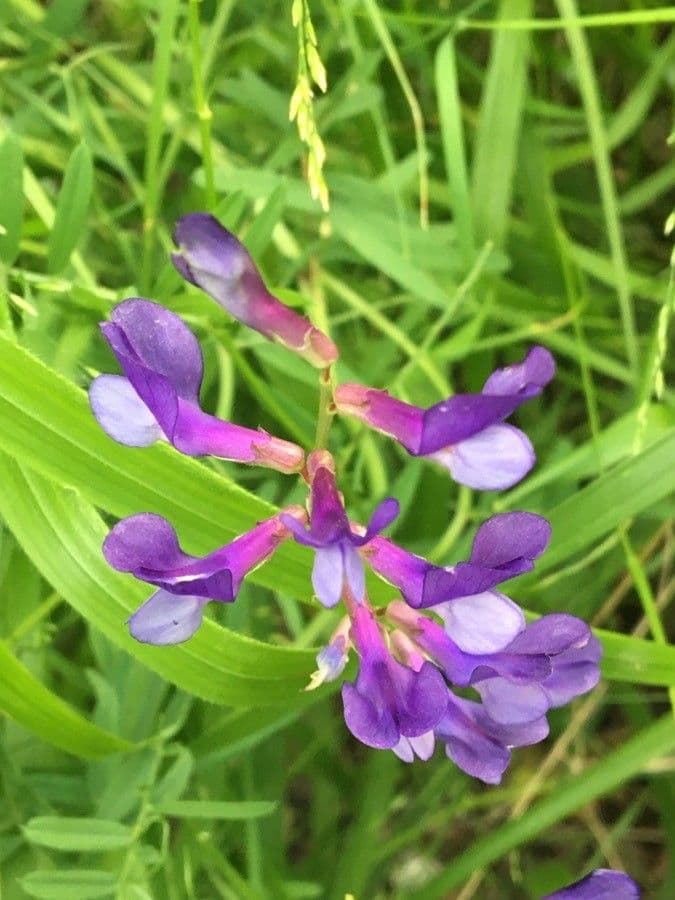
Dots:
pixel 449 629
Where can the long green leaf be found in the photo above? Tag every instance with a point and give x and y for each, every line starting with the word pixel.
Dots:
pixel 27 701
pixel 11 191
pixel 628 489
pixel 62 535
pixel 71 208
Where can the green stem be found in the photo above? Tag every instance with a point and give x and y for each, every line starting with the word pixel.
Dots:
pixel 454 529
pixel 201 103
pixel 326 410
pixel 29 623
pixel 160 85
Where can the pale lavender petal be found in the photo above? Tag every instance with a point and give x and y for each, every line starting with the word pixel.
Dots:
pixel 121 413
pixel 515 734
pixel 167 618
pixel 574 673
pixel 328 575
pixel 421 747
pixel 513 704
pixel 602 884
pixel 483 623
pixel 354 573
pixel 495 458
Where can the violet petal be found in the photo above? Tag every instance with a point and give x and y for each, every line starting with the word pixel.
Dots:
pixel 602 884
pixel 167 618
pixel 121 413
pixel 494 459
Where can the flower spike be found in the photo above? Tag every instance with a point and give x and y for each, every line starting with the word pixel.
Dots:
pixel 158 396
pixel 212 258
pixel 465 433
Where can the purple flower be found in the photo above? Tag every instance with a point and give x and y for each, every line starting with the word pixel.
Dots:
pixel 147 546
pixel 480 746
pixel 337 564
pixel 574 654
pixel 601 884
pixel 465 433
pixel 504 546
pixel 461 668
pixel 389 701
pixel 214 260
pixel 545 665
pixel 157 398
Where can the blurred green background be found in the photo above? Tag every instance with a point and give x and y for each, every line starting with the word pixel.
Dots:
pixel 499 174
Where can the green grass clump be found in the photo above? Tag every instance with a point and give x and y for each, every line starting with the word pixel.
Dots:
pixel 497 174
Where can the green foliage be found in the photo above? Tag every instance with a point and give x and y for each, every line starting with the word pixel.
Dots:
pixel 536 149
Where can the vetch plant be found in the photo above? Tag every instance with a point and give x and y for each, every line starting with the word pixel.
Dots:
pixel 448 629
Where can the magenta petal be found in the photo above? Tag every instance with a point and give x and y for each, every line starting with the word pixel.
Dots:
pixel 404 570
pixel 167 618
pixel 494 459
pixel 121 413
pixel 602 884
pixel 213 259
pixel 399 420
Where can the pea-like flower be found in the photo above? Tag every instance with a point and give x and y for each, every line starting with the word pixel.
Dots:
pixel 601 884
pixel 337 564
pixel 146 545
pixel 465 433
pixel 157 398
pixel 389 701
pixel 505 545
pixel 212 258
